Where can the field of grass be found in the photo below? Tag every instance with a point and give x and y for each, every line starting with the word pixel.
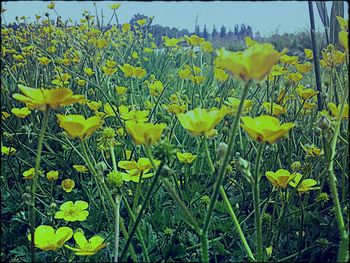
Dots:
pixel 115 150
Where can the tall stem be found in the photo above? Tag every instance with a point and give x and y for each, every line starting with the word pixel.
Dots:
pixel 116 229
pixel 221 173
pixel 256 197
pixel 35 181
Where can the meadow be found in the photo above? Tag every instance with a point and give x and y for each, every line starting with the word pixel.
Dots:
pixel 114 149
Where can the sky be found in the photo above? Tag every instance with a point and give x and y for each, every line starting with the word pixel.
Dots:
pixel 264 16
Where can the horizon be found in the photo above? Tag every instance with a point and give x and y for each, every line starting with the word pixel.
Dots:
pixel 266 17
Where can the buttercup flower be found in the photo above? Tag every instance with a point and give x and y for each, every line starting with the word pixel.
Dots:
pixel 85 247
pixel 21 113
pixel 52 175
pixel 185 157
pixel 280 178
pixel 335 110
pixel 135 169
pixel 78 126
pixel 73 212
pixel 253 63
pixel 305 93
pixel 201 121
pixel 265 129
pixel 305 186
pixel 46 238
pixel 312 150
pixel 8 150
pixel 144 133
pixel 68 185
pixel 80 168
pixel 277 109
pixel 233 104
pixel 43 98
pixel 29 174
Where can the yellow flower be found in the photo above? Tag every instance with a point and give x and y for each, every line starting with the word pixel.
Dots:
pixel 78 126
pixel 344 23
pixel 111 63
pixel 52 175
pixel 44 61
pixel 102 43
pixel 108 109
pixel 80 168
pixel 197 79
pixel 304 68
pixel 308 53
pixel 233 104
pixel 185 157
pixel 21 113
pixel 133 115
pixel 68 185
pixel 202 122
pixel 156 88
pixel 85 247
pixel 43 98
pixel 176 109
pixel 126 27
pixel 81 82
pixel 171 42
pixel 46 238
pixel 305 93
pixel 135 169
pixel 305 186
pixel 280 178
pixel 220 74
pixel 141 22
pixel 114 6
pixel 144 133
pixel 295 77
pixel 277 109
pixel 51 5
pixel 289 60
pixel 312 150
pixel 335 110
pixel 194 40
pixel 121 90
pixel 8 150
pixel 73 212
pixel 253 63
pixel 4 115
pixel 18 57
pixel 265 129
pixel 29 174
pixel 94 105
pixel 109 71
pixel 89 71
pixel 206 46
pixel 343 40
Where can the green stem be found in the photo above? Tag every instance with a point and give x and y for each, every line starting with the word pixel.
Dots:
pixel 35 181
pixel 207 154
pixel 256 198
pixel 143 208
pixel 184 208
pixel 332 183
pixel 116 229
pixel 221 173
pixel 237 225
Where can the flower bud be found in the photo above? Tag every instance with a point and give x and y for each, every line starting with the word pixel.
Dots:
pixel 115 178
pixel 296 166
pixel 324 123
pixel 221 150
pixel 101 167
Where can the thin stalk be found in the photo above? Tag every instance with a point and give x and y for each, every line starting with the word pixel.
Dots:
pixel 256 198
pixel 35 181
pixel 237 225
pixel 116 229
pixel 218 182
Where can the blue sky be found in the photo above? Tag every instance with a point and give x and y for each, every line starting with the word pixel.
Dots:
pixel 266 17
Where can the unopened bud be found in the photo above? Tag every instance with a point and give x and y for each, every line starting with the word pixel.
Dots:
pixel 115 178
